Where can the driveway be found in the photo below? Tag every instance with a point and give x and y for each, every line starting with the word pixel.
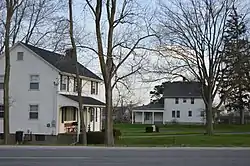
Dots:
pixel 81 156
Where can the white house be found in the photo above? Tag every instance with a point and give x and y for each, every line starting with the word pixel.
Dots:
pixel 183 103
pixel 43 97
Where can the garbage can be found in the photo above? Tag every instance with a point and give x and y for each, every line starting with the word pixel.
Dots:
pixel 153 128
pixel 19 137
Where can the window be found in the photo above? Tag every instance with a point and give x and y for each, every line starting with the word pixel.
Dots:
pixel 202 113
pixel 63 82
pixel 75 84
pixel 33 112
pixel 184 100
pixel 92 114
pixel 178 115
pixel 34 82
pixel 40 137
pixel 189 113
pixel 1 111
pixel 94 87
pixel 173 114
pixel 148 116
pixel 1 81
pixel 176 100
pixel 19 56
pixel 68 114
pixel 192 100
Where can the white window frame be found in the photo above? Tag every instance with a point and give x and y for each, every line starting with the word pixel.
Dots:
pixel 173 113
pixel 2 81
pixel 94 87
pixel 191 113
pixel 192 100
pixel 19 54
pixel 32 80
pixel 178 111
pixel 177 101
pixel 63 82
pixel 34 111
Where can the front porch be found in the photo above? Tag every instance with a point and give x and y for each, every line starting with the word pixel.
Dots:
pixel 69 115
pixel 145 117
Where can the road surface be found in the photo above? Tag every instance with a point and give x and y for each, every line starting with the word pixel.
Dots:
pixel 81 156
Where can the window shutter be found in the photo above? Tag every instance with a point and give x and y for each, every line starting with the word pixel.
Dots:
pixel 68 83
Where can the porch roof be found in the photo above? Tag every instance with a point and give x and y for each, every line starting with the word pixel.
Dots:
pixel 86 100
pixel 150 107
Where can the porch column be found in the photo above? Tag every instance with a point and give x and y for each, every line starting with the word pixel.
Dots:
pixel 78 125
pixel 132 118
pixel 100 119
pixel 153 117
pixel 142 117
pixel 87 119
pixel 94 112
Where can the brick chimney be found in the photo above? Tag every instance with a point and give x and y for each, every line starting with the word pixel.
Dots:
pixel 69 52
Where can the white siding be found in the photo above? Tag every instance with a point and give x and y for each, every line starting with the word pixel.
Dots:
pixel 196 108
pixel 21 96
pixel 47 97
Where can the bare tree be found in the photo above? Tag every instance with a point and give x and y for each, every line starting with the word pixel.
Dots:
pixel 40 23
pixel 79 82
pixel 117 46
pixel 11 6
pixel 192 32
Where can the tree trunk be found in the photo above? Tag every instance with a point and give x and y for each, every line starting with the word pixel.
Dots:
pixel 79 86
pixel 242 116
pixel 7 73
pixel 209 114
pixel 109 138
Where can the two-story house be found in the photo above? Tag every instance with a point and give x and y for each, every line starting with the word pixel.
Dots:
pixel 43 97
pixel 183 103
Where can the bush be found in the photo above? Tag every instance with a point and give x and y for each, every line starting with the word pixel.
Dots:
pixel 149 129
pixel 94 137
pixel 116 133
pixel 157 129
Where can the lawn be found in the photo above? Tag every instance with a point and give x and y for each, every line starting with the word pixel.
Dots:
pixel 169 135
pixel 189 141
pixel 139 129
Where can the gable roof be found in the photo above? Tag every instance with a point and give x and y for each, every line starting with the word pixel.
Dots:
pixel 182 89
pixel 85 100
pixel 61 62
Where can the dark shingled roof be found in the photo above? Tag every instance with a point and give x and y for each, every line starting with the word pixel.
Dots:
pixel 61 62
pixel 150 107
pixel 85 100
pixel 182 89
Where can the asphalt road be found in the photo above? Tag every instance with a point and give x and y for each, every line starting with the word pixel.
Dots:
pixel 81 156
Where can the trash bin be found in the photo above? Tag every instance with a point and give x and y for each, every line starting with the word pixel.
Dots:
pixel 19 137
pixel 153 128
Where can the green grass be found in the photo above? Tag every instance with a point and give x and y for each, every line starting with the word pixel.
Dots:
pixel 190 141
pixel 139 129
